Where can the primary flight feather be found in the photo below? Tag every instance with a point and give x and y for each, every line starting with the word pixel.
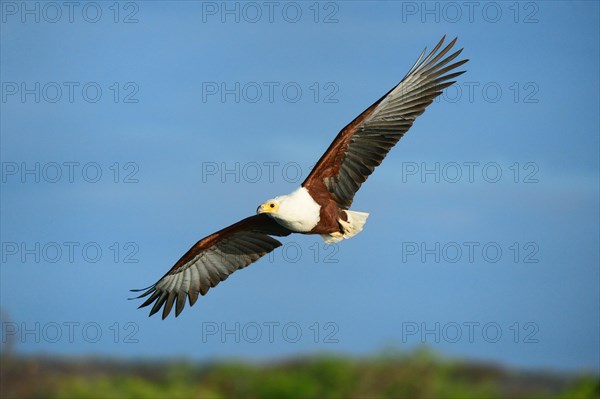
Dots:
pixel 321 204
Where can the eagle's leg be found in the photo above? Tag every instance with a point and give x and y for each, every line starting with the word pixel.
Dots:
pixel 351 223
pixel 354 224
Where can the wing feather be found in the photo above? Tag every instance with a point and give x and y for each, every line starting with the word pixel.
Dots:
pixel 363 143
pixel 212 260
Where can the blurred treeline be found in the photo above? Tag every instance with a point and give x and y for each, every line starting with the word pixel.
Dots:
pixel 418 374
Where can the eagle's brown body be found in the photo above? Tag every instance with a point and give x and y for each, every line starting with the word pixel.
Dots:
pixel 329 215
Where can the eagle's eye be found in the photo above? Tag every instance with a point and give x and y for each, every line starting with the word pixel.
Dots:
pixel 272 205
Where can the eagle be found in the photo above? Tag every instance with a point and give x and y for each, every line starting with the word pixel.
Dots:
pixel 321 204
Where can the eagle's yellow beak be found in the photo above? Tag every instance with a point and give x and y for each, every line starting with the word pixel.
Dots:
pixel 268 207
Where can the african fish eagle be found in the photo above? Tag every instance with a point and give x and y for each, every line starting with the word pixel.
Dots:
pixel 321 204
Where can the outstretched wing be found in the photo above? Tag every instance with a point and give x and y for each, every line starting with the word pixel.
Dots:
pixel 364 142
pixel 211 260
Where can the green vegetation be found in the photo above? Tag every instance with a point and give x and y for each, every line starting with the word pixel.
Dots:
pixel 416 375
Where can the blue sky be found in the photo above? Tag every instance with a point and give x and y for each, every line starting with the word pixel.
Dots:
pixel 143 137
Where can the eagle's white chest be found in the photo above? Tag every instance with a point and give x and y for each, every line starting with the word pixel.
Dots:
pixel 298 211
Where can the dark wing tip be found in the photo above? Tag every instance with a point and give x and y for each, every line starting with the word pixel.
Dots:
pixel 166 300
pixel 439 44
pixel 159 302
pixel 146 292
pixel 162 299
pixel 142 289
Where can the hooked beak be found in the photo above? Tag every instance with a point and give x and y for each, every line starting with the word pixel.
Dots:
pixel 266 207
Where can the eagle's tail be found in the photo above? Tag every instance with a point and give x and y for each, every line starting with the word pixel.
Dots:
pixel 354 225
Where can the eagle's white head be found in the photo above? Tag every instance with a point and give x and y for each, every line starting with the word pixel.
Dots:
pixel 297 211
